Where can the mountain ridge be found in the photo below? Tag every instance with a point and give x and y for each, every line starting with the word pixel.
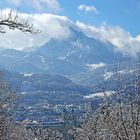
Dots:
pixel 68 57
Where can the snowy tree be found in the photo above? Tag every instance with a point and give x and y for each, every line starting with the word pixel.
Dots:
pixel 118 118
pixel 9 130
pixel 40 133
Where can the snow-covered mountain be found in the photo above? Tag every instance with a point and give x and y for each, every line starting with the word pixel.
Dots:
pixel 77 57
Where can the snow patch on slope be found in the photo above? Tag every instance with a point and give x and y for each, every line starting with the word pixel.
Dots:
pixel 95 66
pixel 108 75
pixel 100 94
pixel 27 74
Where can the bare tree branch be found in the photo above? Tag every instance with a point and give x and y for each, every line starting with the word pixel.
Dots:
pixel 13 21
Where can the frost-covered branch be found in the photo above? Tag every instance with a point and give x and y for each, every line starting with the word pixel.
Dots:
pixel 14 21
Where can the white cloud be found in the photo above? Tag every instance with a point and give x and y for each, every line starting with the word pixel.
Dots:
pixel 88 8
pixel 138 38
pixel 53 4
pixel 14 2
pixel 51 26
pixel 40 5
pixel 36 4
pixel 122 39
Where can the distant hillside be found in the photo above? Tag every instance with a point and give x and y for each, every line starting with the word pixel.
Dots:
pixel 44 82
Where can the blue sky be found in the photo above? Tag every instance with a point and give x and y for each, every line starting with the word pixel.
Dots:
pixel 123 13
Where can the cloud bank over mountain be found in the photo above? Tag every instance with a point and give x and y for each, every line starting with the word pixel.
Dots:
pixel 58 27
pixel 119 37
pixel 50 26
